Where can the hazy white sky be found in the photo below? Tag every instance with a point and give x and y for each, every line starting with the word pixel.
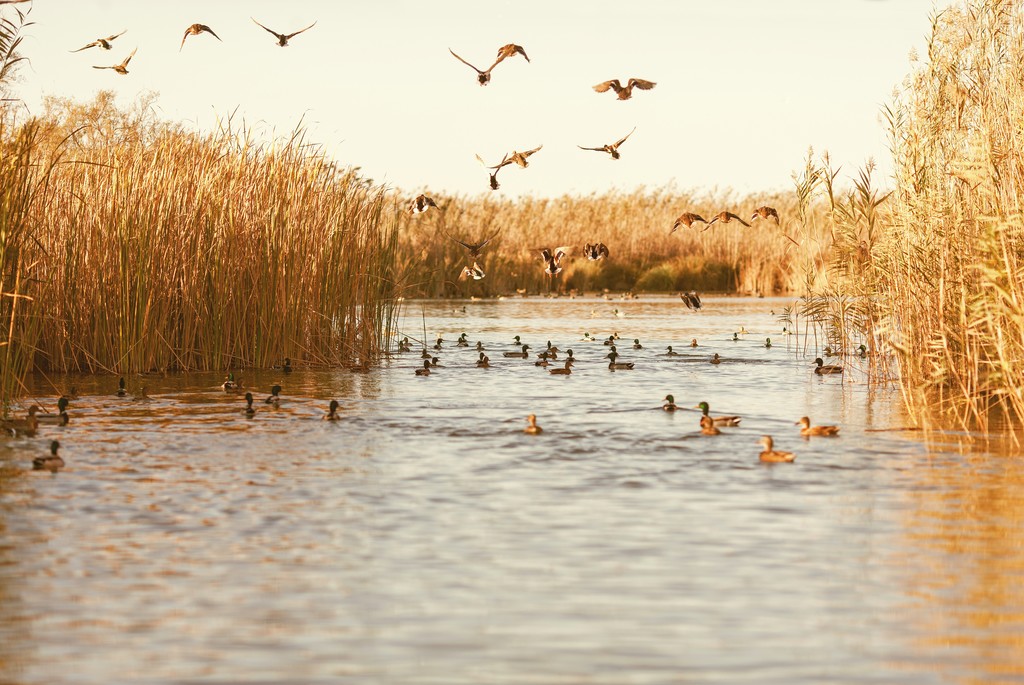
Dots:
pixel 744 86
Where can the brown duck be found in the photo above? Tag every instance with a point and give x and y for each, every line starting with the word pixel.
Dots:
pixel 765 212
pixel 612 148
pixel 624 93
pixel 726 217
pixel 101 42
pixel 510 50
pixel 195 30
pixel 483 77
pixel 421 203
pixel 493 174
pixel 687 219
pixel 474 248
pixel 121 68
pixel 517 157
pixel 595 251
pixel 282 38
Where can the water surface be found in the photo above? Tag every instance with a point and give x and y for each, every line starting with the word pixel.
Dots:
pixel 427 539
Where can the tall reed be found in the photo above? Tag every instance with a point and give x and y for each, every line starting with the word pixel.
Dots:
pixel 160 248
pixel 949 271
pixel 635 227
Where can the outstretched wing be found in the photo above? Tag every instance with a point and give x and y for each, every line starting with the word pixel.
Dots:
pixel 113 36
pixel 595 149
pixel 623 139
pixel 641 83
pixel 271 31
pixel 465 62
pixel 86 47
pixel 614 83
pixel 129 58
pixel 292 35
pixel 530 152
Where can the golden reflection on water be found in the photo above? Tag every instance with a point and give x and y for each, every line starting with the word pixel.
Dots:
pixel 965 545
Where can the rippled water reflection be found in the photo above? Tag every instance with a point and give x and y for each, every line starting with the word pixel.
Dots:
pixel 426 539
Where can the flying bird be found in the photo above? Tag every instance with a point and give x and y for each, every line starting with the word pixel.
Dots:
pixel 691 299
pixel 421 204
pixel 764 212
pixel 595 251
pixel 553 260
pixel 474 248
pixel 121 68
pixel 612 149
pixel 627 92
pixel 483 77
pixel 282 38
pixel 195 30
pixel 510 50
pixel 687 219
pixel 517 157
pixel 101 42
pixel 474 272
pixel 726 217
pixel 494 174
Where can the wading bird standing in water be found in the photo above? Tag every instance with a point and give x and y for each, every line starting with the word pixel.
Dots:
pixel 612 149
pixel 687 219
pixel 282 38
pixel 101 42
pixel 195 30
pixel 121 68
pixel 624 93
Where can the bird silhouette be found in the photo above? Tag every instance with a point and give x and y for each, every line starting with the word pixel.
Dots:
pixel 494 174
pixel 483 77
pixel 195 30
pixel 101 42
pixel 624 93
pixel 121 68
pixel 474 248
pixel 282 38
pixel 613 148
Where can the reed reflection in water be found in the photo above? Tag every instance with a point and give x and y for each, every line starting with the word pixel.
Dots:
pixel 426 539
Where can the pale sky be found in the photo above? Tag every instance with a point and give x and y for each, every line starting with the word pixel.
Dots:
pixel 744 86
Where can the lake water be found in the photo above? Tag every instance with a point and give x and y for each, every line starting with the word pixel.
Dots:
pixel 426 539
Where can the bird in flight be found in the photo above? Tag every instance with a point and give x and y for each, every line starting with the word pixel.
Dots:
pixel 474 272
pixel 121 68
pixel 687 219
pixel 691 300
pixel 483 77
pixel 595 251
pixel 510 50
pixel 494 174
pixel 517 157
pixel 101 42
pixel 612 149
pixel 474 248
pixel 421 204
pixel 627 92
pixel 553 260
pixel 726 217
pixel 282 38
pixel 195 30
pixel 764 212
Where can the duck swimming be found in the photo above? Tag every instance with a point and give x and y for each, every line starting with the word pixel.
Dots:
pixel 332 411
pixel 671 353
pixel 425 371
pixel 823 370
pixel 520 355
pixel 533 428
pixel 229 384
pixel 121 391
pixel 767 342
pixel 52 462
pixel 564 371
pixel 249 410
pixel 707 426
pixel 772 455
pixel 693 343
pixel 719 420
pixel 807 429
pixel 636 344
pixel 618 366
pixel 58 419
pixel 670 403
pixel 275 396
pixel 22 427
pixel 716 359
pixel 484 362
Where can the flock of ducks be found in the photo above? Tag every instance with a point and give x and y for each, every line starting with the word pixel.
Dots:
pixel 709 425
pixel 106 43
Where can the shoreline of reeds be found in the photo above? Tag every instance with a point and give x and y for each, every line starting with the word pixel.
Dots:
pixel 131 245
